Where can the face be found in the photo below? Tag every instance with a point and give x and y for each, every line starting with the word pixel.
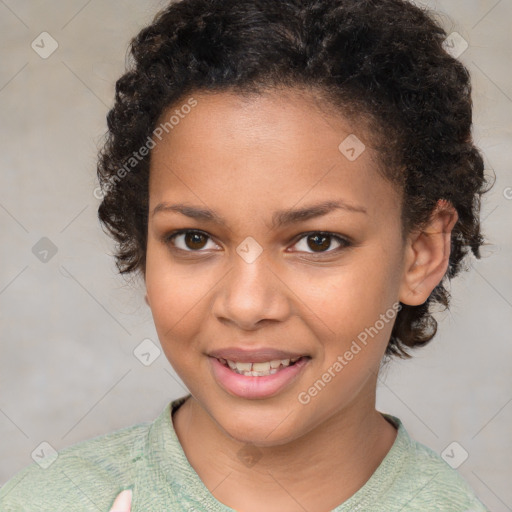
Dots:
pixel 235 277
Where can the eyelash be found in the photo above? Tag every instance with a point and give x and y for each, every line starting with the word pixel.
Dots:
pixel 344 243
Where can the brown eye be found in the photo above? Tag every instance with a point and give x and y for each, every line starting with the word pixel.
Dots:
pixel 319 242
pixel 195 240
pixel 188 240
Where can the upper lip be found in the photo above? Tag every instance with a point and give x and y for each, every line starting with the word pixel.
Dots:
pixel 253 356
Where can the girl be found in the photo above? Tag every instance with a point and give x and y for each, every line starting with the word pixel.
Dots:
pixel 294 180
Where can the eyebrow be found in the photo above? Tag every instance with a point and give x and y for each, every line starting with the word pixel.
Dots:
pixel 279 219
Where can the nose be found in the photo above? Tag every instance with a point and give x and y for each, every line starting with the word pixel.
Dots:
pixel 251 294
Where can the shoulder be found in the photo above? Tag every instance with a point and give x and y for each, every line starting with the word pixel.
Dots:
pixel 427 482
pixel 438 485
pixel 84 476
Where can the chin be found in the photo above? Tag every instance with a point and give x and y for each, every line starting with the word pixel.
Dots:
pixel 260 438
pixel 263 432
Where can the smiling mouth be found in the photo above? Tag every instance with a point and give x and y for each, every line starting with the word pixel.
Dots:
pixel 260 369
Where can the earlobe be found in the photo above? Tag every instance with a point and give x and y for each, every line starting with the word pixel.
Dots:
pixel 427 255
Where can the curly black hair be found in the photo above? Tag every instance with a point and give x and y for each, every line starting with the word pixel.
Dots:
pixel 380 62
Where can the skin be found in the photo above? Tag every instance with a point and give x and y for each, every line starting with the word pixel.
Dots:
pixel 245 158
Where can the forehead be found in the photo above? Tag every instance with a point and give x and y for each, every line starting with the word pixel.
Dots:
pixel 265 151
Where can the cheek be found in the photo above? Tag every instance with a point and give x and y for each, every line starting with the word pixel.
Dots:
pixel 343 300
pixel 173 289
pixel 349 310
pixel 173 294
pixel 173 307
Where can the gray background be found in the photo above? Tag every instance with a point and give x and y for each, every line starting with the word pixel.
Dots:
pixel 69 326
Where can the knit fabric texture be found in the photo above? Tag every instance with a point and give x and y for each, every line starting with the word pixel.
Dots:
pixel 148 458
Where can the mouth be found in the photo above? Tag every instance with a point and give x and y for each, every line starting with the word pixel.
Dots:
pixel 258 379
pixel 259 369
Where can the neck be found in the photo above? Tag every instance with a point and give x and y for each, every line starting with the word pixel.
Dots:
pixel 341 453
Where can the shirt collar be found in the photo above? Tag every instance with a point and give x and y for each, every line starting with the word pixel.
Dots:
pixel 165 452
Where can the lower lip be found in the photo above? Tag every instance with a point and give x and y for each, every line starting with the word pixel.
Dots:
pixel 255 387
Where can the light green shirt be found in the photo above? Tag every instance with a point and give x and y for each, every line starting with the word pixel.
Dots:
pixel 149 459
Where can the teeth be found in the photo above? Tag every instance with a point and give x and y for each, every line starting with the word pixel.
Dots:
pixel 259 369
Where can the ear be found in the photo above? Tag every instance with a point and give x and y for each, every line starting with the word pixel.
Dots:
pixel 427 254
